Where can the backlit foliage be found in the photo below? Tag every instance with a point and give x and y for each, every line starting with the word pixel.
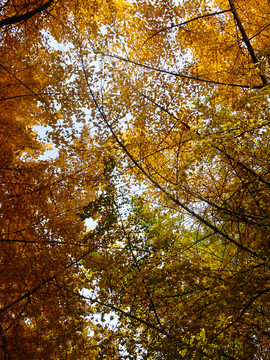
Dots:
pixel 158 114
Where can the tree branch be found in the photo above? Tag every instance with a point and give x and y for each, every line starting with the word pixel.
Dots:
pixel 139 269
pixel 4 341
pixel 246 40
pixel 40 242
pixel 26 16
pixel 46 281
pixel 125 313
pixel 244 167
pixel 189 77
pixel 242 312
pixel 184 23
pixel 188 127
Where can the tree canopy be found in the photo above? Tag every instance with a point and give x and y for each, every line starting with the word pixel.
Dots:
pixel 156 116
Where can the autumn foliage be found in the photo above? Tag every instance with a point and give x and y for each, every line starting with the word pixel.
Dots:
pixel 134 179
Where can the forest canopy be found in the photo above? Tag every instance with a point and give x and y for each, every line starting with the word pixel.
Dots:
pixel 134 179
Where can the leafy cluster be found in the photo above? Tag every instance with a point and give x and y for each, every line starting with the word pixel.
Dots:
pixel 155 123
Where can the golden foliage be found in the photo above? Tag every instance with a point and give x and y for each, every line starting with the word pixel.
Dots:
pixel 168 99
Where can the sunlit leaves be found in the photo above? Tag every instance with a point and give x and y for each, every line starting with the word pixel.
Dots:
pixel 166 99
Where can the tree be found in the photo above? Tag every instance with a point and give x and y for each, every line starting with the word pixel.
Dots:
pixel 41 233
pixel 178 98
pixel 190 81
